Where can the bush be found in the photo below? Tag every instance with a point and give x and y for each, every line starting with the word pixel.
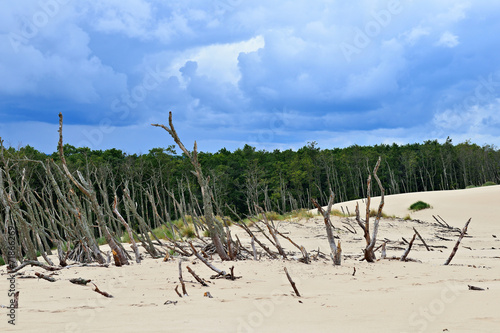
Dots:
pixel 419 205
pixel 489 184
pixel 2 262
pixel 471 186
pixel 407 217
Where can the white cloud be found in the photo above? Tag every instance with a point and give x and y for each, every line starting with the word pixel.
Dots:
pixel 415 34
pixel 472 120
pixel 448 39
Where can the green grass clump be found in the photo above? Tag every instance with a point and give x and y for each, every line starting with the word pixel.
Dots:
pixel 471 186
pixel 407 217
pixel 419 205
pixel 336 212
pixel 374 212
pixel 101 241
pixel 188 232
pixel 489 184
pixel 298 214
pixel 2 262
pixel 274 216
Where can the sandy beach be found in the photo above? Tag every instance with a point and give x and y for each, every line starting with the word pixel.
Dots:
pixel 421 295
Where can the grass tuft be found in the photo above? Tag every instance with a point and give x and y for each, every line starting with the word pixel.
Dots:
pixel 419 205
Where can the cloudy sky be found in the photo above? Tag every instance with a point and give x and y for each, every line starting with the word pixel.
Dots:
pixel 273 74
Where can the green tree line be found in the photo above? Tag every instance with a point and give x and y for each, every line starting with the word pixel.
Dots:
pixel 280 180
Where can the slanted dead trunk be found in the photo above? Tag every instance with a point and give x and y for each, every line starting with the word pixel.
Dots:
pixel 215 227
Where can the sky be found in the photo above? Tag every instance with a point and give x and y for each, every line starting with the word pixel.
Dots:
pixel 272 74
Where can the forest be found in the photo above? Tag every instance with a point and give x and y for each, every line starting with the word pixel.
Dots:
pixel 72 198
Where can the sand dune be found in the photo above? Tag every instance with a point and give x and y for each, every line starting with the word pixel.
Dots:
pixel 386 296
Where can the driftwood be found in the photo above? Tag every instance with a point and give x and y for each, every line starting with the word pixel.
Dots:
pixel 81 281
pixel 292 283
pixel 103 293
pixel 475 288
pixel 33 263
pixel 336 251
pixel 205 261
pixel 170 302
pixel 197 278
pixel 177 291
pixel 407 251
pixel 45 277
pixel 455 248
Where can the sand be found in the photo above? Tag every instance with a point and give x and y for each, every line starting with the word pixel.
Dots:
pixel 385 296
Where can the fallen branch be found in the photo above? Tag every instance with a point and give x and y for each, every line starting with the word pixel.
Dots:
pixel 177 291
pixel 455 248
pixel 33 263
pixel 45 277
pixel 292 283
pixel 200 280
pixel 80 281
pixel 205 261
pixel 475 288
pixel 103 293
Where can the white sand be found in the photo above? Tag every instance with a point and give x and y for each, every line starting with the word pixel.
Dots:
pixel 386 296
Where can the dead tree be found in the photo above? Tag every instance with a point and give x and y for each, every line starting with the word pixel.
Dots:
pixel 215 227
pixel 86 188
pixel 369 253
pixel 336 251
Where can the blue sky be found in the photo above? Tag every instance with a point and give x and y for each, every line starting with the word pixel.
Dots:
pixel 273 74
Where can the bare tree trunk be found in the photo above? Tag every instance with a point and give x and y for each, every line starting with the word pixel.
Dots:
pixel 336 251
pixel 215 227
pixel 86 188
pixel 129 231
pixel 365 225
